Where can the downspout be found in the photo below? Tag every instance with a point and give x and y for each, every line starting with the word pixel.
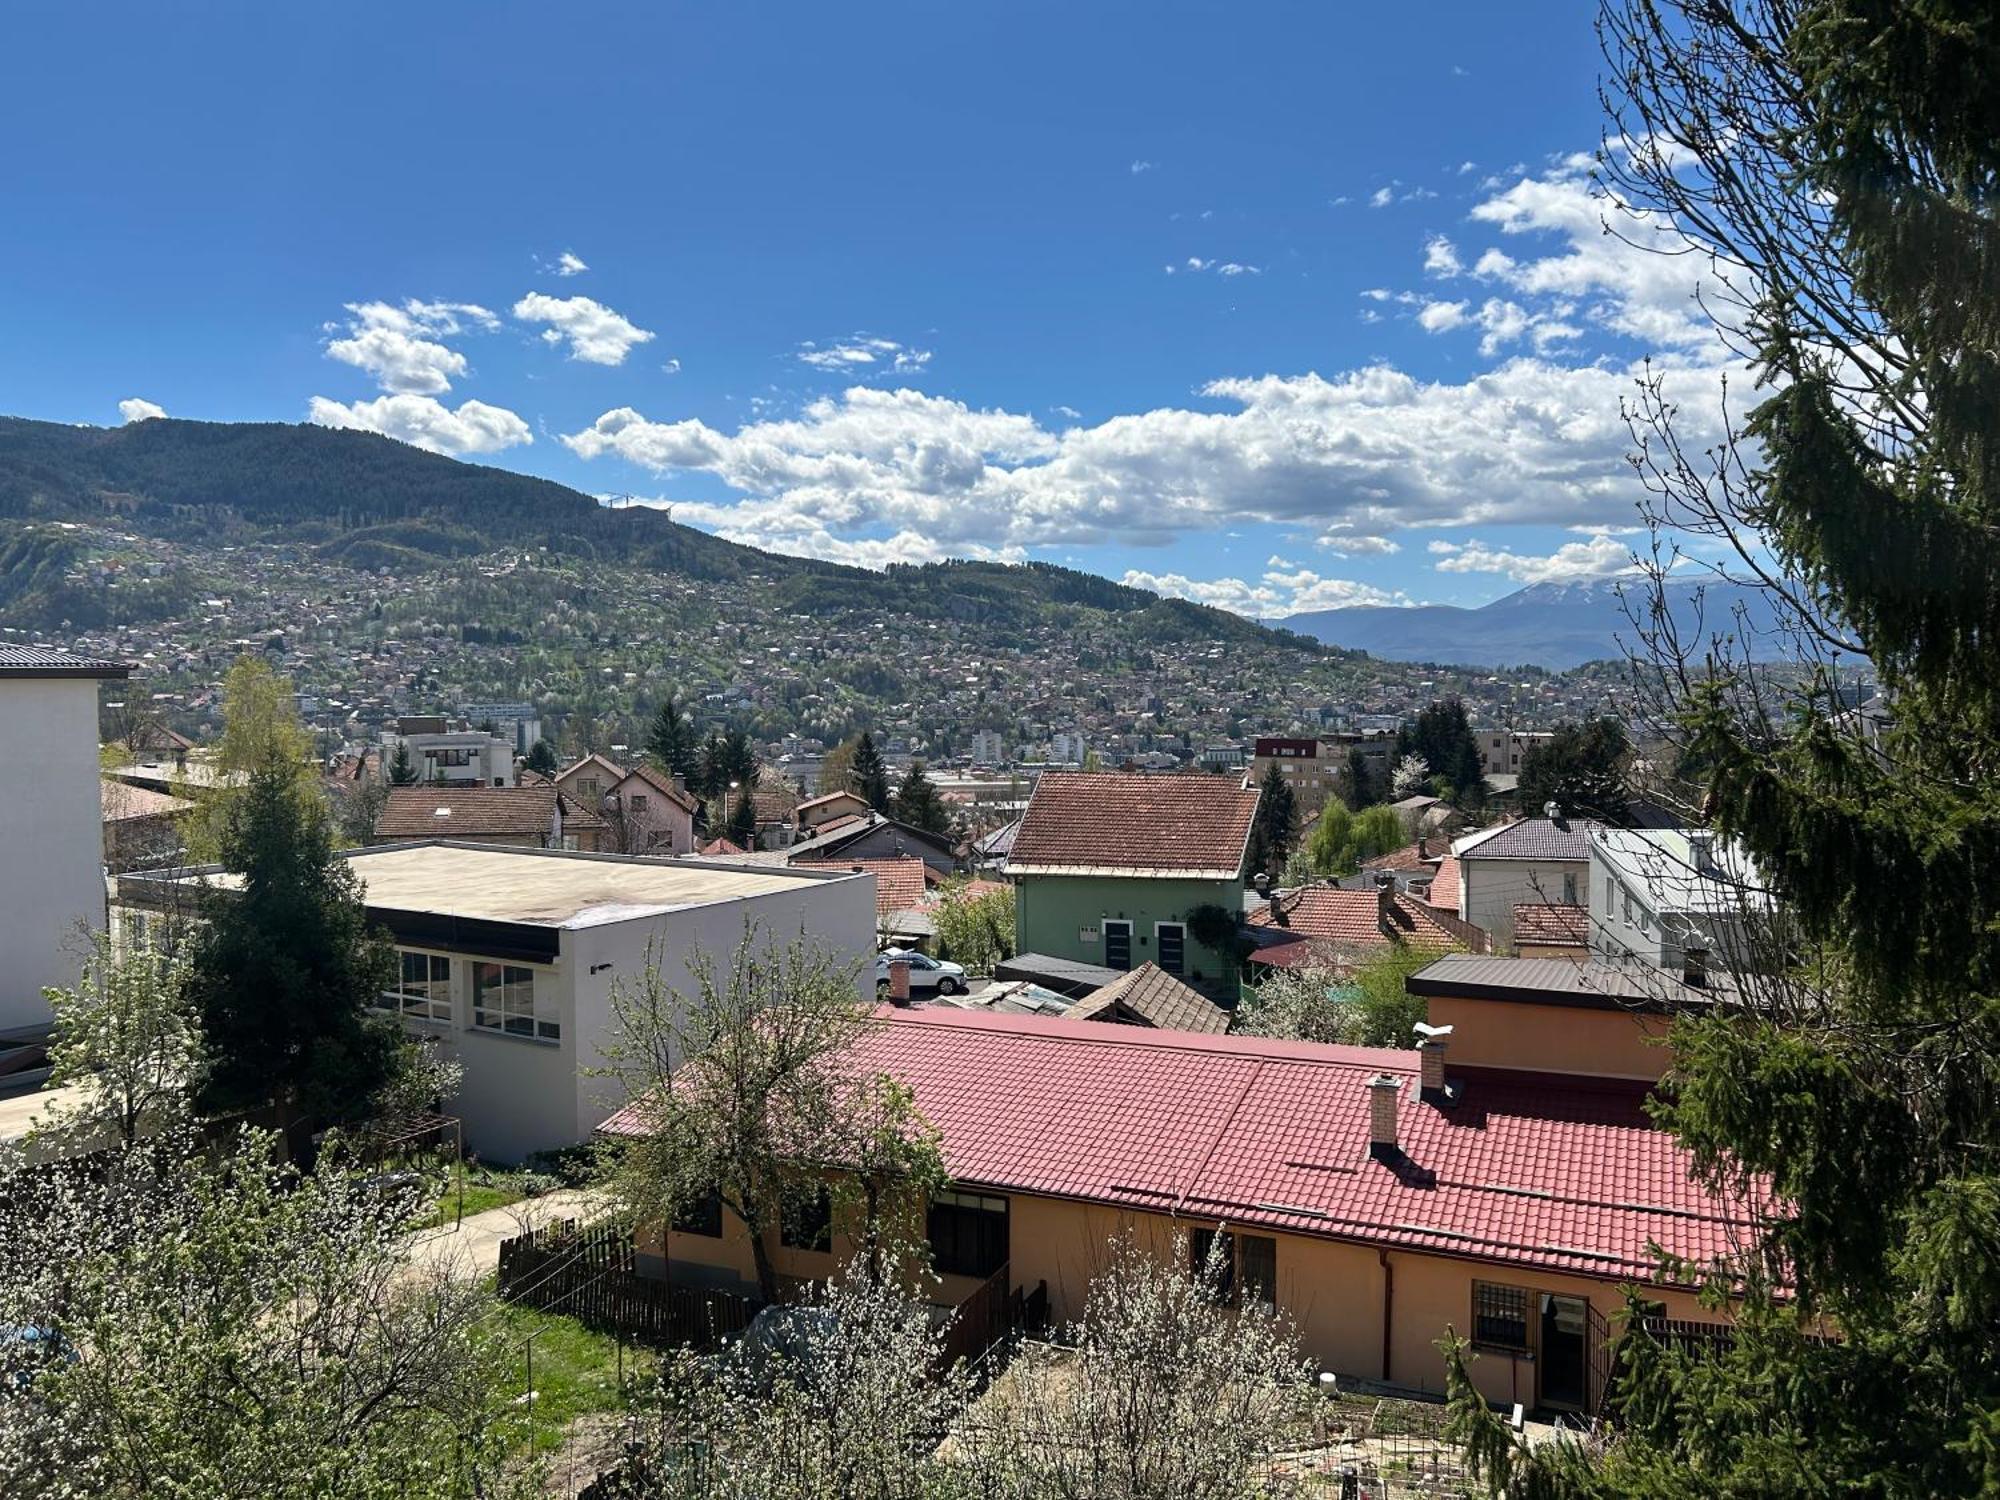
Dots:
pixel 1388 1308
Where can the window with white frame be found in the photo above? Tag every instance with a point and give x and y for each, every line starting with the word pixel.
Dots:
pixel 503 999
pixel 423 987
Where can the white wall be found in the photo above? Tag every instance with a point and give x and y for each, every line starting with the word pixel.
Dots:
pixel 51 838
pixel 1490 889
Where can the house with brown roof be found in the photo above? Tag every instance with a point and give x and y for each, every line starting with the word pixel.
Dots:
pixel 1326 926
pixel 1541 861
pixel 531 815
pixel 648 812
pixel 1551 930
pixel 588 780
pixel 1149 996
pixel 1113 868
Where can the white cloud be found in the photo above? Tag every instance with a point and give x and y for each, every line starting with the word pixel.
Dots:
pixel 1381 197
pixel 1467 166
pixel 399 346
pixel 138 409
pixel 1232 268
pixel 1440 258
pixel 1278 593
pixel 862 351
pixel 1066 411
pixel 1602 556
pixel 569 264
pixel 424 422
pixel 1141 166
pixel 1221 268
pixel 596 335
pixel 671 367
pixel 1439 317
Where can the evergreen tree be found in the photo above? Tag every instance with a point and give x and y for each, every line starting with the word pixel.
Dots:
pixel 1275 830
pixel 1442 736
pixel 917 802
pixel 869 778
pixel 401 772
pixel 1838 159
pixel 286 970
pixel 542 758
pixel 1581 769
pixel 670 740
pixel 743 819
pixel 1367 779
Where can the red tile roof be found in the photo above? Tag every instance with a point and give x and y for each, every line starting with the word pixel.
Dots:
pixel 1332 915
pixel 664 784
pixel 720 848
pixel 1550 925
pixel 899 880
pixel 1113 823
pixel 1257 1132
pixel 1444 889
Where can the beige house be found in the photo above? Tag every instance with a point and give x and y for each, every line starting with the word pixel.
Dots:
pixel 648 812
pixel 532 815
pixel 588 781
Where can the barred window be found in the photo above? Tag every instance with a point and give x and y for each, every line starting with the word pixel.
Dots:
pixel 1500 1316
pixel 967 1233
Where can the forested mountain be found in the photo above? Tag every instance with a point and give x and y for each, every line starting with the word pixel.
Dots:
pixel 368 501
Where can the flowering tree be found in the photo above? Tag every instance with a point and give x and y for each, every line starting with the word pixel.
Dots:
pixel 127 1034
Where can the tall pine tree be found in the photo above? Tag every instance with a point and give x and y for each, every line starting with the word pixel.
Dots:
pixel 1836 162
pixel 917 802
pixel 671 744
pixel 869 777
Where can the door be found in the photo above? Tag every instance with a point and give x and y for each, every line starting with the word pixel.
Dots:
pixel 1565 1352
pixel 1118 945
pixel 1173 946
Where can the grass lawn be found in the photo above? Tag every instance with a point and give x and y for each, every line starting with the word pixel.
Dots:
pixel 576 1373
pixel 485 1188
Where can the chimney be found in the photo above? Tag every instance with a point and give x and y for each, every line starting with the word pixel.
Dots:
pixel 1423 847
pixel 1431 1044
pixel 1385 903
pixel 1701 851
pixel 1694 968
pixel 899 981
pixel 1382 1091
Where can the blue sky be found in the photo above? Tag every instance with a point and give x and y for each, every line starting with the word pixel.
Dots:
pixel 1278 306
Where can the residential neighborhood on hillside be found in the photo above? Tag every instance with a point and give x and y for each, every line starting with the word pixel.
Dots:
pixel 953 753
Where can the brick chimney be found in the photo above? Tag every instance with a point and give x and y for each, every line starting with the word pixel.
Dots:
pixel 1385 904
pixel 1431 1044
pixel 1423 847
pixel 899 981
pixel 1383 1090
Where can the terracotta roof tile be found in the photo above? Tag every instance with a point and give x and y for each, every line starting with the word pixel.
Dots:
pixel 899 881
pixel 441 812
pixel 1332 915
pixel 1157 998
pixel 1129 824
pixel 664 784
pixel 1571 1179
pixel 1552 925
pixel 1444 889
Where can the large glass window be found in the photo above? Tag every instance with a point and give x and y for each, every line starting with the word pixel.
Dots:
pixel 503 999
pixel 423 987
pixel 967 1233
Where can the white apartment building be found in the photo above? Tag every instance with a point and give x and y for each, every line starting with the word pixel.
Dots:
pixel 1537 861
pixel 52 823
pixel 508 955
pixel 988 748
pixel 1674 899
pixel 458 757
pixel 1068 747
pixel 1501 751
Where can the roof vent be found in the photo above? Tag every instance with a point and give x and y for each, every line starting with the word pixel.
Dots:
pixel 1431 1044
pixel 440 812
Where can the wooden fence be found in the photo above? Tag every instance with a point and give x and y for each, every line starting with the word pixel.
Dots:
pixel 592 1275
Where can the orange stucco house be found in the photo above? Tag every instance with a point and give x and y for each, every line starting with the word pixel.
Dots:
pixel 1376 1197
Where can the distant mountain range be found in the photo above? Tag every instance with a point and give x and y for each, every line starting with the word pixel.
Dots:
pixel 370 502
pixel 1552 625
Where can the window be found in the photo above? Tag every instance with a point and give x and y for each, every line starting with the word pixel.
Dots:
pixel 967 1233
pixel 1118 945
pixel 806 1223
pixel 1500 1316
pixel 1628 907
pixel 702 1216
pixel 1235 1266
pixel 1173 946
pixel 1569 890
pixel 586 788
pixel 423 987
pixel 638 802
pixel 503 999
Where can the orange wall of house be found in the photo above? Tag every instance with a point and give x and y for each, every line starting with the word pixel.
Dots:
pixel 1433 1293
pixel 1332 1290
pixel 1552 1038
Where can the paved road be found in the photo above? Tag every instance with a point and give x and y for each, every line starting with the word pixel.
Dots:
pixel 472 1249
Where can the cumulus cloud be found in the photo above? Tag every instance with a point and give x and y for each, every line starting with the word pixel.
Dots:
pixel 1281 591
pixel 1440 257
pixel 138 409
pixel 1602 556
pixel 595 334
pixel 399 346
pixel 1359 455
pixel 425 422
pixel 861 352
pixel 1381 197
pixel 569 264
pixel 1440 317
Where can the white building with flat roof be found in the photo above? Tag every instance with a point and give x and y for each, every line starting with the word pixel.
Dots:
pixel 509 956
pixel 51 824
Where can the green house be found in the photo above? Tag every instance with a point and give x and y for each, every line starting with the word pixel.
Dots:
pixel 1108 866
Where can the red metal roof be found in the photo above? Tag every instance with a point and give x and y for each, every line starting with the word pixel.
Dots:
pixel 1094 822
pixel 1258 1132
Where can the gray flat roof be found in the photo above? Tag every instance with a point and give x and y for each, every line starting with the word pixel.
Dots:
pixel 1598 984
pixel 548 887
